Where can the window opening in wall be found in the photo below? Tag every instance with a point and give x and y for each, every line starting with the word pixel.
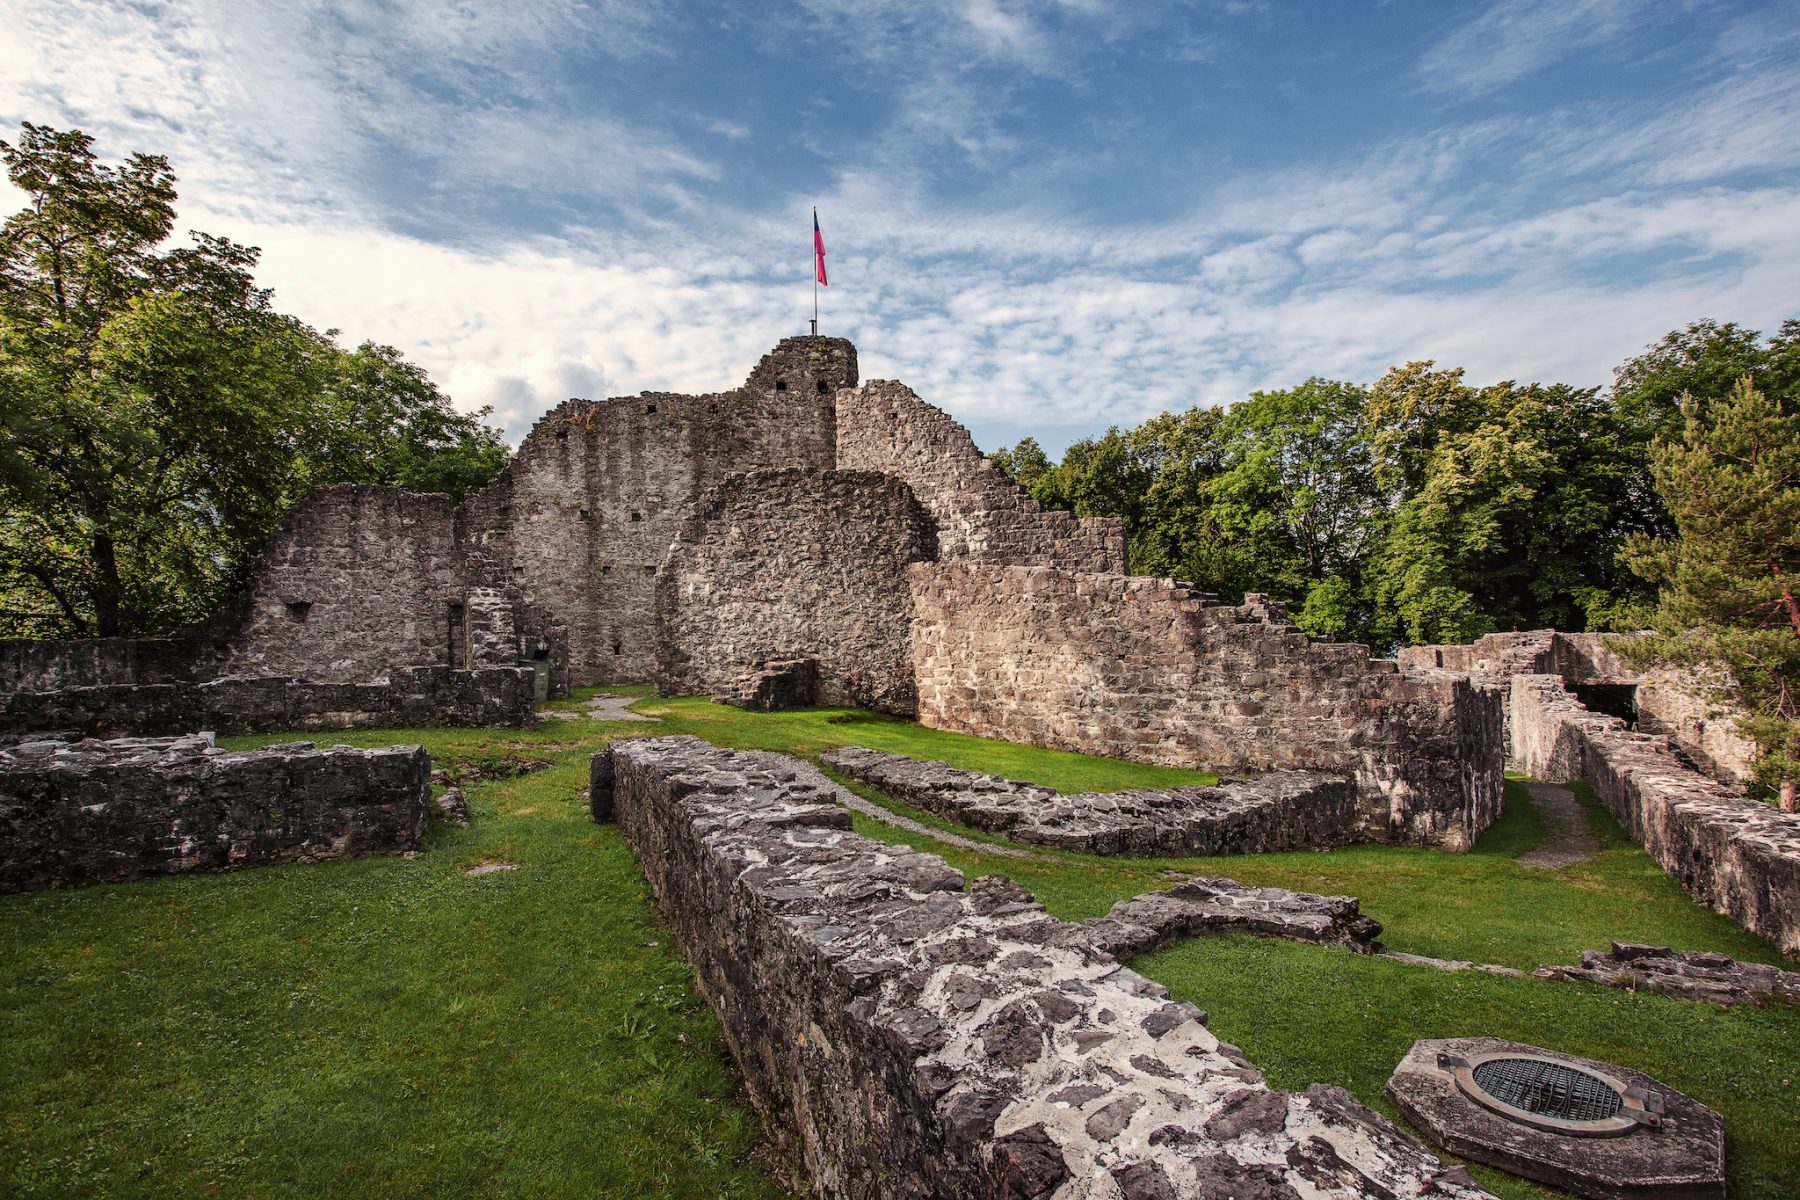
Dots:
pixel 518 571
pixel 586 515
pixel 562 434
pixel 649 408
pixel 649 570
pixel 823 387
pixel 637 516
pixel 1612 699
pixel 606 568
pixel 298 609
pixel 781 385
pixel 455 611
pixel 618 647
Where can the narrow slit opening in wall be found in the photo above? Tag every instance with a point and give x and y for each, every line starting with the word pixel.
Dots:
pixel 298 609
pixel 618 647
pixel 454 610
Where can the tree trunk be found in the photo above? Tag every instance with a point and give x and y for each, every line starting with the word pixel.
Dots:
pixel 1787 795
pixel 107 592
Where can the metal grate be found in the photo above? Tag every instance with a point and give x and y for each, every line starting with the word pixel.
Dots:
pixel 1548 1089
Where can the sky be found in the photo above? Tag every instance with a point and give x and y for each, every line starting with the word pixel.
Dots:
pixel 1047 218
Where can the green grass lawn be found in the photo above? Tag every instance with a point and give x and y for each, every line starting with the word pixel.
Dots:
pixel 396 1027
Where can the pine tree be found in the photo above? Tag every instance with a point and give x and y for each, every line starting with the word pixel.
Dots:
pixel 1729 604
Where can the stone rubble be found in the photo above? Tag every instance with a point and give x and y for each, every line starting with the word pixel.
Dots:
pixel 1215 905
pixel 454 807
pixel 94 811
pixel 908 1038
pixel 1688 974
pixel 1284 810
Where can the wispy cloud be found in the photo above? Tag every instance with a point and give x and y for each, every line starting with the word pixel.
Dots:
pixel 1516 38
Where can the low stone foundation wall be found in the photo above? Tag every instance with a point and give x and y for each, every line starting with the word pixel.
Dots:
pixel 1285 810
pixel 906 1038
pixel 95 811
pixel 1735 854
pixel 411 696
pixel 1145 669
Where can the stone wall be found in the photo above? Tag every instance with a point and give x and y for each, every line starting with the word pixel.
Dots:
pixel 789 564
pixel 409 697
pixel 1283 810
pixel 1139 668
pixel 581 518
pixel 981 515
pixel 43 666
pixel 90 812
pixel 1669 702
pixel 1734 854
pixel 905 1038
pixel 358 579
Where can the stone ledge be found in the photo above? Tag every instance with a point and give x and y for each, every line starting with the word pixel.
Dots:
pixel 1283 810
pixel 906 1038
pixel 1687 974
pixel 97 811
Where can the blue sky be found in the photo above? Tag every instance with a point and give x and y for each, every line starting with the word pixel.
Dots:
pixel 1045 217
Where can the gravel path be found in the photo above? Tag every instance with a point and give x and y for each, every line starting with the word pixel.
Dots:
pixel 1566 839
pixel 614 708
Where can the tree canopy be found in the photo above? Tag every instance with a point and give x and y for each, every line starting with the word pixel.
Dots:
pixel 1421 508
pixel 159 415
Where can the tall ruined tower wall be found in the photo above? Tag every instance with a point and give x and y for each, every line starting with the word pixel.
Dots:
pixel 982 516
pixel 582 517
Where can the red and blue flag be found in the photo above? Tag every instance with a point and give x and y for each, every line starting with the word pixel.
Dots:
pixel 819 251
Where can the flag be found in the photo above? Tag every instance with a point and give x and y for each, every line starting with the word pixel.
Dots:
pixel 819 251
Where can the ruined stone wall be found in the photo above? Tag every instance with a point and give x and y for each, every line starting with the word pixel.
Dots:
pixel 795 563
pixel 1138 668
pixel 358 580
pixel 43 666
pixel 1670 702
pixel 907 1039
pixel 90 812
pixel 408 697
pixel 982 516
pixel 580 519
pixel 1739 856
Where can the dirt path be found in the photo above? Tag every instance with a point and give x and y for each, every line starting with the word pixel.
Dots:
pixel 1566 839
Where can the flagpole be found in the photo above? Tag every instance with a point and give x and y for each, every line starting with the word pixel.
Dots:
pixel 815 275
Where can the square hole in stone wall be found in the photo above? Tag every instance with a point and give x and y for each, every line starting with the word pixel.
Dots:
pixel 298 609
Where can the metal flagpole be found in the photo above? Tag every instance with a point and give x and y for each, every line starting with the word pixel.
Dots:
pixel 815 274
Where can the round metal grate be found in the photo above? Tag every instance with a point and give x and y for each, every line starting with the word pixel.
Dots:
pixel 1548 1089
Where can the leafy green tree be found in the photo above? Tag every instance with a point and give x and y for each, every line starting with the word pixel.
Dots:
pixel 1509 505
pixel 157 415
pixel 1098 477
pixel 1025 463
pixel 1729 603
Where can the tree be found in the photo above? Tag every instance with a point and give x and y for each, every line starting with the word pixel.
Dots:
pixel 159 415
pixel 1024 464
pixel 1509 502
pixel 1729 604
